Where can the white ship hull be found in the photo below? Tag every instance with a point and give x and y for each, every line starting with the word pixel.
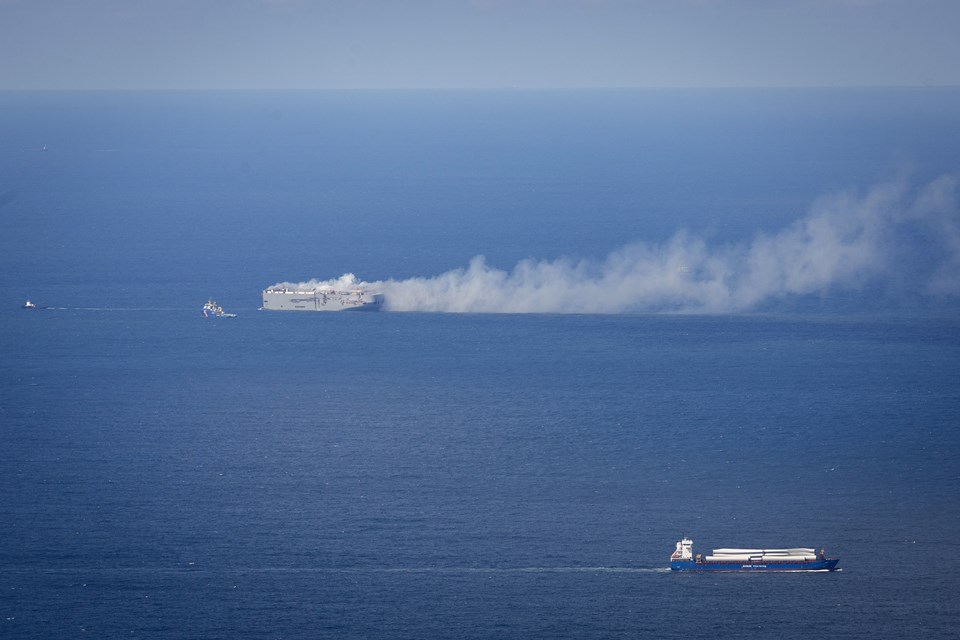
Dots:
pixel 321 300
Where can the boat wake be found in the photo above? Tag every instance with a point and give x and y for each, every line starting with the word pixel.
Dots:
pixel 454 570
pixel 522 570
pixel 195 567
pixel 109 309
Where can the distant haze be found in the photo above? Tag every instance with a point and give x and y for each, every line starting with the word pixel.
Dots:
pixel 892 236
pixel 346 44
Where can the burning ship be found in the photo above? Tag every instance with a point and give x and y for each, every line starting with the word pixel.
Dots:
pixel 345 294
pixel 791 559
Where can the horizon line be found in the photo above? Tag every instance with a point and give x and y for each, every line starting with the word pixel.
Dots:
pixel 468 89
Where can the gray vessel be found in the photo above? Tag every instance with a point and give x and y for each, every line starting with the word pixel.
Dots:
pixel 322 298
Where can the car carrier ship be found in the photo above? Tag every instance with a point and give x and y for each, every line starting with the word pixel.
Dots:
pixel 322 298
pixel 792 559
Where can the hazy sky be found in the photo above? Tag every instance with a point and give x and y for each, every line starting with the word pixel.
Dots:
pixel 298 44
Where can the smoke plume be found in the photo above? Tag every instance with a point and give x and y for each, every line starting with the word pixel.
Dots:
pixel 892 235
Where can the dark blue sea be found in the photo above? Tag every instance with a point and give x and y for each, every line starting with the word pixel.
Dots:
pixel 471 475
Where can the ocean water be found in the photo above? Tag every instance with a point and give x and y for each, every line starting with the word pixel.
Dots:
pixel 458 475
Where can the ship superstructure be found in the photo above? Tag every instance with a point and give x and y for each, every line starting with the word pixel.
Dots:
pixel 786 559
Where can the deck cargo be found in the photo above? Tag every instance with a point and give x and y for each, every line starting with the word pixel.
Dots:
pixel 728 559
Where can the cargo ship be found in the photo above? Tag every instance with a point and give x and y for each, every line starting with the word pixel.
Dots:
pixel 323 298
pixel 790 559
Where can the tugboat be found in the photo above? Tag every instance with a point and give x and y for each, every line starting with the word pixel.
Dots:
pixel 212 310
pixel 792 559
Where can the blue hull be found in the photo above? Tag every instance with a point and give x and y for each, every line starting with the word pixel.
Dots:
pixel 830 564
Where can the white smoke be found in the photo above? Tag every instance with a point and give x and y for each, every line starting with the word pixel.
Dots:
pixel 346 282
pixel 890 235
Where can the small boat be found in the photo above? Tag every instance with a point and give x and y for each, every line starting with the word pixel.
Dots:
pixel 790 559
pixel 212 310
pixel 29 305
